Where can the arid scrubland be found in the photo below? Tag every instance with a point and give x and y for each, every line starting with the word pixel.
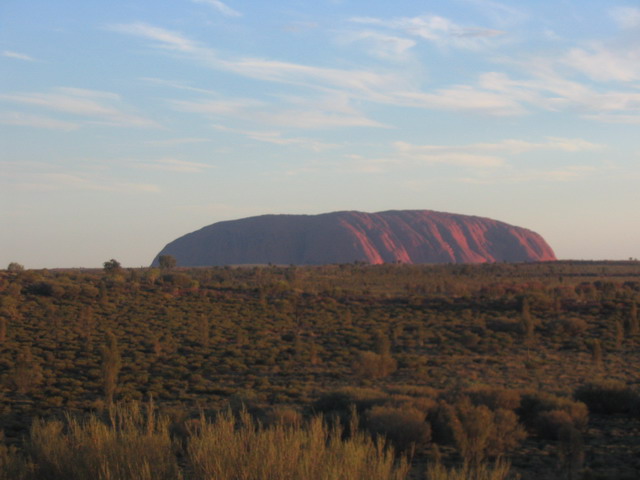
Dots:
pixel 344 371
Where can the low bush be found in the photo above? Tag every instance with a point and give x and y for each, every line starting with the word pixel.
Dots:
pixel 370 365
pixel 439 418
pixel 571 326
pixel 495 398
pixel 608 397
pixel 545 414
pixel 405 427
pixel 340 400
pixel 477 431
pixel 550 423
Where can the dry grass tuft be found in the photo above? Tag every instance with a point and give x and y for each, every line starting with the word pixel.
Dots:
pixel 230 447
pixel 500 470
pixel 131 444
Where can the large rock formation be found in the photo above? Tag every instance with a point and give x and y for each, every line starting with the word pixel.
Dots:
pixel 405 236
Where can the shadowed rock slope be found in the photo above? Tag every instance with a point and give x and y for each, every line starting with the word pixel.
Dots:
pixel 405 236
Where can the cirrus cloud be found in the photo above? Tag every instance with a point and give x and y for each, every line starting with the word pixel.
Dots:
pixel 95 106
pixel 221 7
pixel 18 56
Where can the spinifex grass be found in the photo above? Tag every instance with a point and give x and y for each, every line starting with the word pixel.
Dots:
pixel 484 471
pixel 223 451
pixel 131 445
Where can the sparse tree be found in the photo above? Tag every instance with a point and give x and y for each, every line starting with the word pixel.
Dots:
pixel 571 451
pixel 527 323
pixel 27 373
pixel 383 345
pixel 111 364
pixel 112 266
pixel 596 352
pixel 619 334
pixel 421 336
pixel 167 262
pixel 480 432
pixel 314 354
pixel 203 331
pixel 86 323
pixel 3 329
pixel 15 267
pixel 633 328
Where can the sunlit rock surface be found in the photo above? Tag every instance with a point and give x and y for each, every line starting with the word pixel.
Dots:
pixel 398 236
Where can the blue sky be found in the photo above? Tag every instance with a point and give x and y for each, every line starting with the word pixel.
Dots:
pixel 126 124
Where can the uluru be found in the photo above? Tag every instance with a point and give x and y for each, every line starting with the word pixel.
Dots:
pixel 396 236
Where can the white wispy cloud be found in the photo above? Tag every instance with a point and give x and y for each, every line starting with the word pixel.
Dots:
pixel 495 93
pixel 548 89
pixel 99 107
pixel 291 112
pixel 362 82
pixel 165 38
pixel 367 83
pixel 178 85
pixel 427 154
pixel 171 142
pixel 278 138
pixel 626 17
pixel 614 118
pixel 504 15
pixel 66 181
pixel 18 56
pixel 391 87
pixel 515 146
pixel 175 165
pixel 436 29
pixel 485 155
pixel 221 7
pixel 389 47
pixel 219 106
pixel 603 64
pixel 461 98
pixel 566 174
pixel 315 119
pixel 36 121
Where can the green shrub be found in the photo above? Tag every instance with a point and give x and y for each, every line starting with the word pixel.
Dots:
pixel 550 423
pixel 405 427
pixel 608 397
pixel 342 399
pixel 372 365
pixel 571 326
pixel 440 420
pixel 477 431
pixel 571 451
pixel 508 433
pixel 495 398
pixel 535 411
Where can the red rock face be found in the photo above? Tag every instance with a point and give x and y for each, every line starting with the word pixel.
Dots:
pixel 404 236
